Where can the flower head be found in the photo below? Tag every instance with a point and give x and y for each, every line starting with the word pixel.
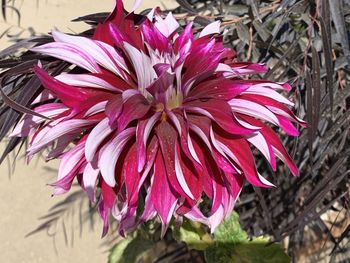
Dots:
pixel 159 117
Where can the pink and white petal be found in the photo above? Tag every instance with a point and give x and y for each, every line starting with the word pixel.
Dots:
pixel 268 92
pixel 24 127
pixel 228 202
pixel 224 152
pixel 192 150
pixel 70 53
pixel 63 185
pixel 216 218
pixel 172 23
pixel 90 176
pixel 109 155
pixel 67 127
pixel 142 65
pixel 196 215
pixel 180 176
pixel 97 135
pixel 104 55
pixel 61 144
pixel 285 112
pixel 86 81
pixel 151 156
pixel 253 109
pixel 166 26
pixel 97 108
pixel 265 181
pixel 259 141
pixel 149 212
pixel 248 68
pixel 272 85
pixel 137 4
pixel 70 159
pixel 43 96
pixel 150 15
pixel 212 28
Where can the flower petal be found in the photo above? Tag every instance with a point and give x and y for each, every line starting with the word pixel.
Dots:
pixel 110 155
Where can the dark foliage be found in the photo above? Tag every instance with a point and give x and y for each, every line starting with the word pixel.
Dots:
pixel 304 42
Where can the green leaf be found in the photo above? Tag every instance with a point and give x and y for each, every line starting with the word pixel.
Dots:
pixel 130 250
pixel 230 231
pixel 258 250
pixel 250 252
pixel 193 234
pixel 117 251
pixel 233 246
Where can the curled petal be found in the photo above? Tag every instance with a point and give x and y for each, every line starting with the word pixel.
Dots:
pixel 110 154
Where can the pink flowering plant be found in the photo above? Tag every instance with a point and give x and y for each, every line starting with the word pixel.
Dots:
pixel 156 121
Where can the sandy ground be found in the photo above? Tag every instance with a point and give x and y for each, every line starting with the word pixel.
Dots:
pixel 24 195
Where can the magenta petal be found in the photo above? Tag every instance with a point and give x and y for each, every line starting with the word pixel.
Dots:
pixel 225 89
pixel 113 109
pixel 133 108
pixel 235 182
pixel 167 138
pixel 154 37
pixel 268 92
pixel 287 126
pixel 243 156
pixel 132 177
pixel 185 37
pixel 181 177
pixel 279 149
pixel 69 95
pixel 143 131
pixel 162 196
pixel 222 115
pixel 103 211
pixel 152 150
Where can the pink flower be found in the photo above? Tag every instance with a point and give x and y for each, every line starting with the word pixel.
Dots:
pixel 157 117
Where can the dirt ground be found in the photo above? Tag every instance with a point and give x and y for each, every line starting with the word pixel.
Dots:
pixel 24 195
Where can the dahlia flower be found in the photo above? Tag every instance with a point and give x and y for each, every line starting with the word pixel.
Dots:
pixel 157 119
